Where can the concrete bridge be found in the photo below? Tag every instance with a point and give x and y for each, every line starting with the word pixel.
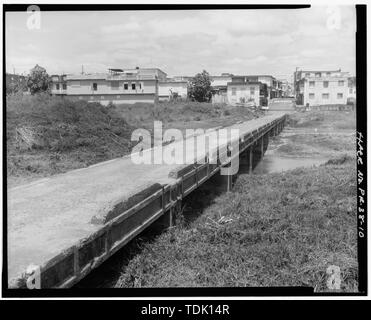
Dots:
pixel 67 225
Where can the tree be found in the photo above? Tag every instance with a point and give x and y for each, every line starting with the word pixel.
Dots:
pixel 38 80
pixel 200 87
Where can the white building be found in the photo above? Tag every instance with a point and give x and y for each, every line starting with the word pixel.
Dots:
pixel 315 88
pixel 170 89
pixel 117 86
pixel 243 92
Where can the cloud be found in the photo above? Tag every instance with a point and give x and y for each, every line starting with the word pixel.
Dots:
pixel 183 42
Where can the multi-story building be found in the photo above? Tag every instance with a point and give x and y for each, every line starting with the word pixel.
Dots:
pixel 314 88
pixel 117 86
pixel 242 90
pixel 287 88
pixel 58 84
pixel 272 85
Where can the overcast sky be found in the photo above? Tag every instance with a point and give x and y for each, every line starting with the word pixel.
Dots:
pixel 184 42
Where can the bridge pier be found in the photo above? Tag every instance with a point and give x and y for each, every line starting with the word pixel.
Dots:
pixel 223 183
pixel 266 141
pixel 271 133
pixel 245 161
pixel 258 152
pixel 167 220
pixel 251 159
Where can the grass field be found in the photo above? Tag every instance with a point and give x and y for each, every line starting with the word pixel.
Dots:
pixel 279 229
pixel 185 114
pixel 49 135
pixel 319 133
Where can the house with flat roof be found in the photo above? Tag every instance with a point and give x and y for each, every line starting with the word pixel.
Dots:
pixel 116 86
pixel 243 90
pixel 273 86
pixel 321 87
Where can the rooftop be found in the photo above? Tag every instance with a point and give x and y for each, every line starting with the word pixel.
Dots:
pixel 247 83
pixel 339 70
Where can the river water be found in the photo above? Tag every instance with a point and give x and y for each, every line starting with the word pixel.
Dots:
pixel 278 162
pixel 273 163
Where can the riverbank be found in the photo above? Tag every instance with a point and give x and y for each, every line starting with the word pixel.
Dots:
pixel 278 229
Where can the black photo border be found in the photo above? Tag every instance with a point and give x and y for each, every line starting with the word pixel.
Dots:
pixel 361 82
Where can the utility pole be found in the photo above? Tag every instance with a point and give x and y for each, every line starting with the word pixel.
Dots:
pixel 294 82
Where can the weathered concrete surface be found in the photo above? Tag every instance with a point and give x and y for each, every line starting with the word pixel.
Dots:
pixel 51 215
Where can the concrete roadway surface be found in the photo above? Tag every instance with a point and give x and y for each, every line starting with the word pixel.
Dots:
pixel 52 214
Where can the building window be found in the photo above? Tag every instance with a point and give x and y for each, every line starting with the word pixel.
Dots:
pixel 311 96
pixel 325 84
pixel 350 90
pixel 140 85
pixel 252 91
pixel 318 74
pixel 133 86
pixel 341 83
pixel 311 84
pixel 340 96
pixel 95 86
pixel 57 86
pixel 233 91
pixel 325 95
pixel 126 86
pixel 307 74
pixel 64 86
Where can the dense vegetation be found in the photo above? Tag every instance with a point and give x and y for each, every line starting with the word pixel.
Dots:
pixel 48 135
pixel 199 87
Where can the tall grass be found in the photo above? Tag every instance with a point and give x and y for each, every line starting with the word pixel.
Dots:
pixel 272 230
pixel 47 135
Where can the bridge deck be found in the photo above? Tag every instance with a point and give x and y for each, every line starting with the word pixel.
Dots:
pixel 51 215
